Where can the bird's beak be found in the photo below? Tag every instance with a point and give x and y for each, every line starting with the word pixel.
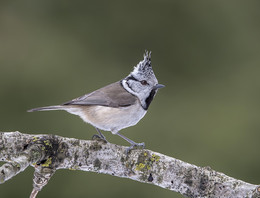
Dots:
pixel 158 86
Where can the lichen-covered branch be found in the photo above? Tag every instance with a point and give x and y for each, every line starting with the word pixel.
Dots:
pixel 48 153
pixel 17 156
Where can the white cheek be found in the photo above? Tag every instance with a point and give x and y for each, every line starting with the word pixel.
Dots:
pixel 126 87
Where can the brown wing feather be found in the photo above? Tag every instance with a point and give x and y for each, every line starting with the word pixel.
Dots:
pixel 113 95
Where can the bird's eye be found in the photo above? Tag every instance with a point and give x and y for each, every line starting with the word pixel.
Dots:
pixel 144 82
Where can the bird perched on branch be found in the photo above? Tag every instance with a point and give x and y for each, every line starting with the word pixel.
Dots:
pixel 116 106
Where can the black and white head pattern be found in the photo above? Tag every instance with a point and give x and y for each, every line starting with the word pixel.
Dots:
pixel 141 81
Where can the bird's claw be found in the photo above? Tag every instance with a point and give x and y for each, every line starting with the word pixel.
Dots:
pixel 99 138
pixel 134 146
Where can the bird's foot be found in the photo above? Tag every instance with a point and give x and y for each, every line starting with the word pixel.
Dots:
pixel 99 138
pixel 135 146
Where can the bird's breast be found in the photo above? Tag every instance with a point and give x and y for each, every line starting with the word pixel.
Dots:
pixel 113 119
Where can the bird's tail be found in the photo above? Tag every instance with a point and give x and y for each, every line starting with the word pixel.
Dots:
pixel 49 108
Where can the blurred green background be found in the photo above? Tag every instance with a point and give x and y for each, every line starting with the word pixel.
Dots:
pixel 207 53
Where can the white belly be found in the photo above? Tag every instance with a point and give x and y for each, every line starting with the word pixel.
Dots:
pixel 108 118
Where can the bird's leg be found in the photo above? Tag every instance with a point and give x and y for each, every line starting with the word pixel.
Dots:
pixel 100 136
pixel 133 144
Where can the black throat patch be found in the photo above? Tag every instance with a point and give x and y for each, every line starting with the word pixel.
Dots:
pixel 149 99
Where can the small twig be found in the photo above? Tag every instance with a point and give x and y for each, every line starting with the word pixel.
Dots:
pixel 18 162
pixel 42 175
pixel 34 193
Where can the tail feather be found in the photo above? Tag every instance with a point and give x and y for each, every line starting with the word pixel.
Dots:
pixel 49 108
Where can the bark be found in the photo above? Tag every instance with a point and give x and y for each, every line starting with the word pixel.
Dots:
pixel 48 153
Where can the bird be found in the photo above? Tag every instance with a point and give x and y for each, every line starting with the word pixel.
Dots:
pixel 118 105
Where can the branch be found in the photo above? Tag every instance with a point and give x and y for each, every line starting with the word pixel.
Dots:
pixel 48 153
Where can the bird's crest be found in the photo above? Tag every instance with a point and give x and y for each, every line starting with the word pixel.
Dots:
pixel 144 67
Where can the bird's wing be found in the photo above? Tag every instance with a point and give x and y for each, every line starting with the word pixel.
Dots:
pixel 113 95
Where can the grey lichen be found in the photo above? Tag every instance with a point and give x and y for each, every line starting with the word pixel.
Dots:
pixel 146 161
pixel 54 152
pixel 159 179
pixel 256 192
pixel 203 184
pixel 188 177
pixel 95 146
pixel 146 166
pixel 97 163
